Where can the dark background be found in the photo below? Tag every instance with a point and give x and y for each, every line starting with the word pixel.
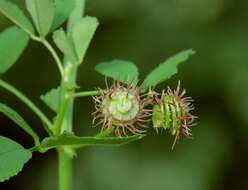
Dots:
pixel 147 32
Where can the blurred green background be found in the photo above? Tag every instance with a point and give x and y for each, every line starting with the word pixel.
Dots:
pixel 147 32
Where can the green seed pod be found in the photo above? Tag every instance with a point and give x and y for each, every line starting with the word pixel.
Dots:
pixel 121 108
pixel 158 117
pixel 172 112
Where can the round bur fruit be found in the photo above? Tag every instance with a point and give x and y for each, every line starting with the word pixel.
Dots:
pixel 172 112
pixel 120 108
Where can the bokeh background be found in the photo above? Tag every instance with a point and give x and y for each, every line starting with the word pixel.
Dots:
pixel 147 32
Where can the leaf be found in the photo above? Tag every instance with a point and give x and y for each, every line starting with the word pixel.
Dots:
pixel 124 71
pixel 71 140
pixel 63 8
pixel 64 44
pixel 12 43
pixel 42 13
pixel 82 33
pixel 12 158
pixel 76 14
pixel 166 69
pixel 103 133
pixel 52 99
pixel 15 14
pixel 14 116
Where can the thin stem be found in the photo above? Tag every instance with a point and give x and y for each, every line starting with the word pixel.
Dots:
pixel 86 93
pixel 65 161
pixel 29 103
pixel 34 149
pixel 65 170
pixel 68 87
pixel 75 16
pixel 60 117
pixel 53 53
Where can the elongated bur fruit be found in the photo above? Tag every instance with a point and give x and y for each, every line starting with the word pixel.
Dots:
pixel 172 112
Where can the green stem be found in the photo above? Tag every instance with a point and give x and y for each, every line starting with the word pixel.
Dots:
pixel 60 117
pixel 52 51
pixel 86 93
pixel 65 170
pixel 67 89
pixel 29 103
pixel 75 16
pixel 65 161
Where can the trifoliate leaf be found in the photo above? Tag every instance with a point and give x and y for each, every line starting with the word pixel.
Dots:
pixel 12 43
pixel 124 71
pixel 63 8
pixel 64 44
pixel 12 158
pixel 76 14
pixel 42 13
pixel 82 34
pixel 166 69
pixel 15 14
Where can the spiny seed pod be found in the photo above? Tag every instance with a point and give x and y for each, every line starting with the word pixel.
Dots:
pixel 172 112
pixel 121 108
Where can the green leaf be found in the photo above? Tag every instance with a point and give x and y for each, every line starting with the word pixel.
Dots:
pixel 82 33
pixel 64 44
pixel 42 13
pixel 12 158
pixel 12 43
pixel 71 140
pixel 52 99
pixel 76 14
pixel 166 69
pixel 15 14
pixel 124 71
pixel 63 8
pixel 14 116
